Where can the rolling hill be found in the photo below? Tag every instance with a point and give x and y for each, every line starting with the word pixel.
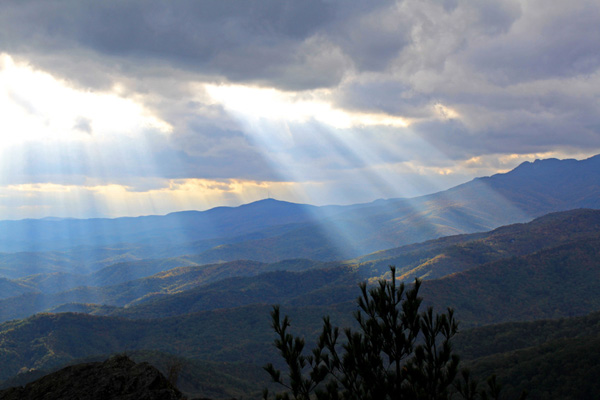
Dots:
pixel 440 257
pixel 172 283
pixel 168 282
pixel 167 290
pixel 558 282
pixel 206 322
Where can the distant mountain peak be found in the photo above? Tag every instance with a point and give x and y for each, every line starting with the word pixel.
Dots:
pixel 268 200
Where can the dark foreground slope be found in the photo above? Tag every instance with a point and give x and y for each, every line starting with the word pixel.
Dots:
pixel 226 335
pixel 194 378
pixel 551 359
pixel 116 378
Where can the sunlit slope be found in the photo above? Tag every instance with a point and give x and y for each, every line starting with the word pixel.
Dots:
pixel 440 257
pixel 557 282
pixel 124 285
pixel 548 282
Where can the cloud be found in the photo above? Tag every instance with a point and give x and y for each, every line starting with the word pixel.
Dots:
pixel 243 41
pixel 548 41
pixel 83 124
pixel 363 99
pixel 112 200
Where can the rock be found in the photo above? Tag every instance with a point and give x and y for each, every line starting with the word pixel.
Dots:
pixel 117 378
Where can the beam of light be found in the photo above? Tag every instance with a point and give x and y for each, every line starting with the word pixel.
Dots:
pixel 52 133
pixel 289 129
pixel 306 138
pixel 290 126
pixel 71 152
pixel 276 105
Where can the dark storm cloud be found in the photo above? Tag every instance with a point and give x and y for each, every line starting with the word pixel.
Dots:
pixel 213 153
pixel 521 76
pixel 249 40
pixel 389 96
pixel 524 77
pixel 556 41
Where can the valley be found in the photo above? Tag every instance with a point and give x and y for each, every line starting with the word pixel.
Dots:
pixel 516 257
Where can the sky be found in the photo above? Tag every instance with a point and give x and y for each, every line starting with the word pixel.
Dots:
pixel 136 107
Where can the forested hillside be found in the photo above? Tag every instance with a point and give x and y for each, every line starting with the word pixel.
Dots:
pixel 213 318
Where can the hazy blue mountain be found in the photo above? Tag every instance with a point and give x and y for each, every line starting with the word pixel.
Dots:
pixel 546 186
pixel 271 230
pixel 528 191
pixel 76 261
pixel 17 265
pixel 60 281
pixel 178 227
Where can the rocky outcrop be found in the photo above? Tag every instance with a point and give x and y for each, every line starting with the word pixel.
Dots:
pixel 117 378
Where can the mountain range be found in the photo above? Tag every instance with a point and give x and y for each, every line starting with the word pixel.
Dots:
pixel 271 230
pixel 504 251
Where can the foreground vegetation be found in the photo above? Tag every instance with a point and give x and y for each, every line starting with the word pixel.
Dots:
pixel 397 353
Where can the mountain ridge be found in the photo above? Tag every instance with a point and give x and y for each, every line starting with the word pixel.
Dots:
pixel 530 190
